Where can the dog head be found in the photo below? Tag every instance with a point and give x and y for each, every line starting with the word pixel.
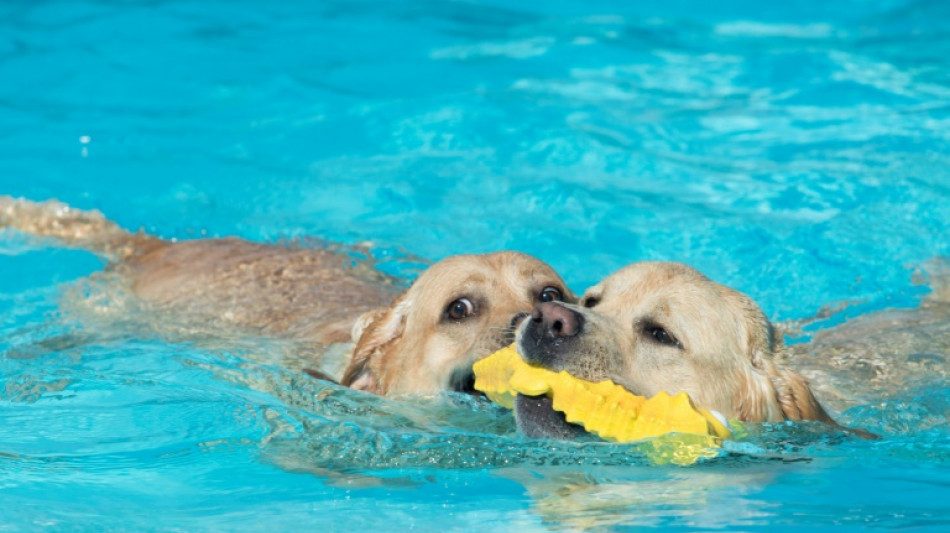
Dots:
pixel 655 327
pixel 459 310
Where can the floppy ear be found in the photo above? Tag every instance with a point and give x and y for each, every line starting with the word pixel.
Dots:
pixel 771 392
pixel 375 333
pixel 364 321
pixel 755 397
pixel 775 392
pixel 798 402
pixel 789 391
pixel 795 396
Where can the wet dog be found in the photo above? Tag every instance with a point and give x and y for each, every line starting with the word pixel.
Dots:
pixel 657 326
pixel 421 340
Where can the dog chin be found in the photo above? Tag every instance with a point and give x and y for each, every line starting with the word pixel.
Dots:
pixel 537 419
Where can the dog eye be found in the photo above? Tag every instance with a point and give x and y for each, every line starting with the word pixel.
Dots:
pixel 590 302
pixel 661 336
pixel 459 309
pixel 551 294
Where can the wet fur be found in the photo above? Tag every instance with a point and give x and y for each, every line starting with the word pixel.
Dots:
pixel 397 341
pixel 724 354
pixel 432 349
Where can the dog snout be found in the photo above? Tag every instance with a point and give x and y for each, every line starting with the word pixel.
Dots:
pixel 510 333
pixel 518 319
pixel 547 334
pixel 557 321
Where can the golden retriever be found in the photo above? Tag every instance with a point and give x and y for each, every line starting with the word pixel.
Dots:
pixel 422 341
pixel 658 326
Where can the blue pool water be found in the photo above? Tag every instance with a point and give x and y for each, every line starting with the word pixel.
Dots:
pixel 798 151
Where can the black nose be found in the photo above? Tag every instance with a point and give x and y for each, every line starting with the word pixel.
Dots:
pixel 557 321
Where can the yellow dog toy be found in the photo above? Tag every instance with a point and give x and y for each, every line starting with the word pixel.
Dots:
pixel 604 408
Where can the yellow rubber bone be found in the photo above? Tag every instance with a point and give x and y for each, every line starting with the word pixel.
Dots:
pixel 604 408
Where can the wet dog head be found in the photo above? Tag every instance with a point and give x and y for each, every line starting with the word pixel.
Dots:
pixel 655 327
pixel 459 310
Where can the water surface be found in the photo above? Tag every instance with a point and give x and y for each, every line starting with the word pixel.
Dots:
pixel 797 152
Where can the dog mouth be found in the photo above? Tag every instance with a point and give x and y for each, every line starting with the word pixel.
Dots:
pixel 463 380
pixel 535 415
pixel 536 418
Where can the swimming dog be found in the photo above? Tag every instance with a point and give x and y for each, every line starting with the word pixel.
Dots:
pixel 660 326
pixel 421 340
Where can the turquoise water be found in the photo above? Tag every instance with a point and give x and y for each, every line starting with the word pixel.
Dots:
pixel 797 152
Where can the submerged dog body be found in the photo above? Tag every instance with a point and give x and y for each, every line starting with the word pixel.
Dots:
pixel 882 355
pixel 657 326
pixel 421 340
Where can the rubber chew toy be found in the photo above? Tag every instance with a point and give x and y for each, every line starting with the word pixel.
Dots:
pixel 605 408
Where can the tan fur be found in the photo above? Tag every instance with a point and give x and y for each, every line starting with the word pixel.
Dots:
pixel 73 227
pixel 413 347
pixel 726 358
pixel 317 298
